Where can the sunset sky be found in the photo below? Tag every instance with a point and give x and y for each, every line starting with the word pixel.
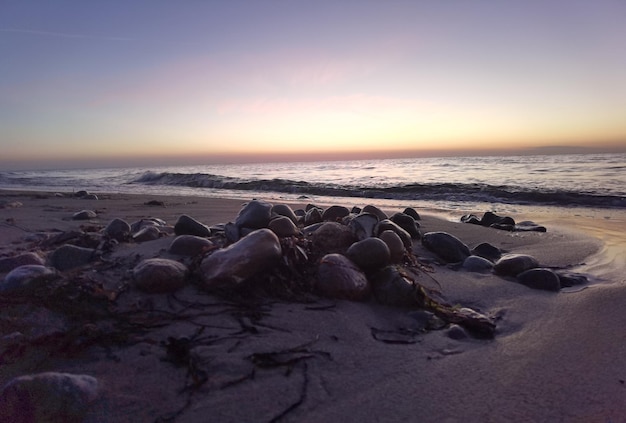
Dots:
pixel 123 82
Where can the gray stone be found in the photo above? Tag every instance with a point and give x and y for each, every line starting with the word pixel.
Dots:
pixel 369 254
pixel 338 277
pixel 186 225
pixel 157 275
pixel 388 225
pixel 539 278
pixel 407 223
pixel 412 212
pixel 332 237
pixel 363 225
pixel 149 233
pixel 25 279
pixel 118 229
pixel 253 254
pixel 144 223
pixel 190 245
pixel 285 210
pixel 477 264
pixel 446 246
pixel 48 397
pixel 395 245
pixel 514 264
pixel 487 251
pixel 569 279
pixel 9 263
pixel 69 256
pixel 84 215
pixel 313 216
pixel 381 215
pixel 283 226
pixel 335 213
pixel 254 215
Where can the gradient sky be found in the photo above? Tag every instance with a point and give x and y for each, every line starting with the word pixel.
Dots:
pixel 117 82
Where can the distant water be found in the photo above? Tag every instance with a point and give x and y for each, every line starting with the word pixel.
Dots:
pixel 451 183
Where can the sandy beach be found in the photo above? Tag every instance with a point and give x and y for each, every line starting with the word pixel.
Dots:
pixel 555 356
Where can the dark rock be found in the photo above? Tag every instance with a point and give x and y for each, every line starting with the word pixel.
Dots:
pixel 446 246
pixel 232 232
pixel 118 229
pixel 395 245
pixel 70 256
pixel 457 332
pixel 157 275
pixel 335 213
pixel 89 197
pixel 48 397
pixel 407 223
pixel 477 264
pixel 186 225
pixel 369 254
pixel 569 279
pixel 388 225
pixel 332 237
pixel 9 263
pixel 528 226
pixel 375 211
pixel 144 223
pixel 488 251
pixel 390 287
pixel 155 203
pixel 81 193
pixel 503 227
pixel 189 245
pixel 313 216
pixel 84 215
pixel 249 256
pixel 25 279
pixel 254 215
pixel 148 233
pixel 490 218
pixel 540 278
pixel 514 264
pixel 285 210
pixel 338 277
pixel 412 212
pixel 283 226
pixel 363 225
pixel 356 210
pixel 470 218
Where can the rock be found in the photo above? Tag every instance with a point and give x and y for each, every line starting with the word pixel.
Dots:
pixel 569 279
pixel 186 225
pixel 81 193
pixel 490 219
pixel 84 215
pixel 381 215
pixel 407 223
pixel 190 245
pixel 528 226
pixel 457 332
pixel 390 287
pixel 338 277
pixel 157 275
pixel 470 218
pixel 369 254
pixel 25 279
pixel 503 227
pixel 540 278
pixel 118 229
pixel 48 397
pixel 283 226
pixel 313 216
pixel 69 256
pixel 356 210
pixel 144 223
pixel 89 197
pixel 238 262
pixel 232 232
pixel 285 210
pixel 388 225
pixel 335 213
pixel 446 246
pixel 363 225
pixel 487 251
pixel 332 237
pixel 149 233
pixel 395 245
pixel 477 264
pixel 514 264
pixel 254 215
pixel 9 263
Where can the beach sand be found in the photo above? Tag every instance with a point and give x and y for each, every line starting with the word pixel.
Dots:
pixel 554 357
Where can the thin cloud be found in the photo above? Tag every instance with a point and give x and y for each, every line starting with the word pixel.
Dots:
pixel 62 34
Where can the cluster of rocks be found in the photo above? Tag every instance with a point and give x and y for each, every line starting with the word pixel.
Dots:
pixel 506 223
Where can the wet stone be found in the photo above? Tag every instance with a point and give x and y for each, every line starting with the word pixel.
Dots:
pixel 369 254
pixel 407 223
pixel 340 278
pixel 335 213
pixel 70 256
pixel 254 215
pixel 118 229
pixel 313 216
pixel 9 263
pixel 381 215
pixel 388 225
pixel 283 226
pixel 569 279
pixel 332 237
pixel 363 225
pixel 412 212
pixel 514 264
pixel 487 251
pixel 540 278
pixel 457 332
pixel 285 210
pixel 446 246
pixel 186 225
pixel 528 226
pixel 395 245
pixel 477 264
pixel 159 275
pixel 189 245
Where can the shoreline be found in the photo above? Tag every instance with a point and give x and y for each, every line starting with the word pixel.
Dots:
pixel 555 356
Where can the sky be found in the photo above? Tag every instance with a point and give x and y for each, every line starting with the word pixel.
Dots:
pixel 201 81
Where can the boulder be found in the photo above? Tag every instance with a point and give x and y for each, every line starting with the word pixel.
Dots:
pixel 487 251
pixel 412 212
pixel 390 287
pixel 388 225
pixel 148 233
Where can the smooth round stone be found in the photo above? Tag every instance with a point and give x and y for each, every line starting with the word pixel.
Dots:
pixel 388 225
pixel 69 256
pixel 490 219
pixel 369 254
pixel 251 255
pixel 407 223
pixel 477 264
pixel 285 210
pixel 395 245
pixel 332 237
pixel 390 287
pixel 528 226
pixel 363 225
pixel 186 225
pixel 470 218
pixel 446 246
pixel 118 229
pixel 569 279
pixel 254 215
pixel 48 397
pixel 283 226
pixel 412 212
pixel 157 275
pixel 84 215
pixel 25 279
pixel 189 245
pixel 335 213
pixel 81 193
pixel 540 278
pixel 381 215
pixel 457 332
pixel 9 263
pixel 313 216
pixel 487 251
pixel 514 264
pixel 338 277
pixel 149 233
pixel 144 223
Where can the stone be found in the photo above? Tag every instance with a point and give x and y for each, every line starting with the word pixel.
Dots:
pixel 540 278
pixel 457 332
pixel 118 229
pixel 369 254
pixel 335 213
pixel 251 255
pixel 84 215
pixel 284 210
pixel 388 225
pixel 69 256
pixel 528 226
pixel 149 233
pixel 375 211
pixel 186 225
pixel 332 237
pixel 190 245
pixel 470 218
pixel 283 226
pixel 9 263
pixel 158 275
pixel 254 215
pixel 338 277
pixel 569 279
pixel 412 212
pixel 514 264
pixel 477 264
pixel 391 288
pixel 395 245
pixel 446 246
pixel 81 193
pixel 363 225
pixel 144 223
pixel 313 216
pixel 487 251
pixel 407 223
pixel 25 279
pixel 490 219
pixel 48 397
